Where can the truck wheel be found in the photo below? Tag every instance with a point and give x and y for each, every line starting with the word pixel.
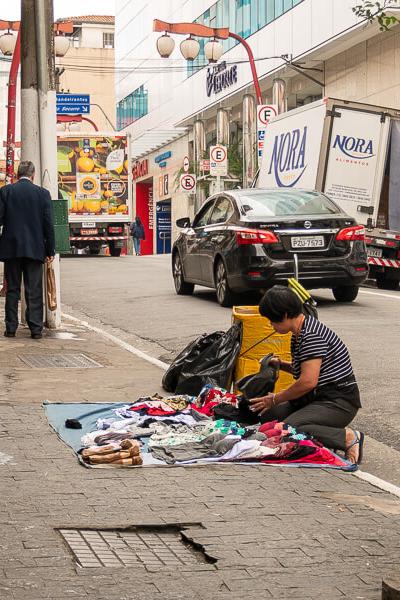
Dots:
pixel 345 293
pixel 114 251
pixel 383 283
pixel 182 287
pixel 94 249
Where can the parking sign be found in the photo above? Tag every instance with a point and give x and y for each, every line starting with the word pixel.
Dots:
pixel 188 183
pixel 218 161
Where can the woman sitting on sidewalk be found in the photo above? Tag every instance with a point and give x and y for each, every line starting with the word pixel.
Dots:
pixel 325 397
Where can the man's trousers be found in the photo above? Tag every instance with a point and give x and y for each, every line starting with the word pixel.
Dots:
pixel 32 273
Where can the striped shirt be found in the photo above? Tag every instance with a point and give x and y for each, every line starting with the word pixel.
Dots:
pixel 318 341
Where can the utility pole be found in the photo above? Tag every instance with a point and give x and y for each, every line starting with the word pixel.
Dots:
pixel 38 108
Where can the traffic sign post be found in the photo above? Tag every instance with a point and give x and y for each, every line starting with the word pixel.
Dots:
pixel 218 161
pixel 186 164
pixel 73 104
pixel 187 183
pixel 265 112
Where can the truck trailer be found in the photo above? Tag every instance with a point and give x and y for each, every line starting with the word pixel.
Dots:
pixel 351 152
pixel 94 176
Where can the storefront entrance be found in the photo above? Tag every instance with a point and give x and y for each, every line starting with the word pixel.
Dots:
pixel 144 210
pixel 164 227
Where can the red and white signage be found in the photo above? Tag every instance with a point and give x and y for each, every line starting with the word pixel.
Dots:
pixel 140 169
pixel 218 161
pixel 188 183
pixel 265 112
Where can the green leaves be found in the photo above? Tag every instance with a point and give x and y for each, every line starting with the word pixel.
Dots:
pixel 375 11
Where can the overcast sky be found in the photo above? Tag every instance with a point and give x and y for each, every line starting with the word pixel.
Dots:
pixel 62 8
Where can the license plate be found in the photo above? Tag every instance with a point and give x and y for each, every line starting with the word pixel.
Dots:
pixel 88 224
pixel 308 241
pixel 89 231
pixel 375 252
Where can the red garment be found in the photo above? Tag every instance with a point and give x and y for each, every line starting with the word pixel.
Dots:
pixel 207 409
pixel 153 412
pixel 266 426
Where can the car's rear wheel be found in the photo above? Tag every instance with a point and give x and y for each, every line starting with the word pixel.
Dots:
pixel 383 283
pixel 345 293
pixel 182 287
pixel 225 296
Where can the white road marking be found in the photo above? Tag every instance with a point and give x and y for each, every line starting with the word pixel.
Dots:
pixel 375 481
pixel 4 458
pixel 139 353
pixel 379 483
pixel 379 294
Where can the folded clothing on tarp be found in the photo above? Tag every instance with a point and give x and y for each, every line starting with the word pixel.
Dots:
pixel 173 440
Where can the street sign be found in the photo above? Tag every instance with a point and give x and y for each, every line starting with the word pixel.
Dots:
pixel 260 144
pixel 204 165
pixel 186 164
pixel 265 112
pixel 218 161
pixel 73 104
pixel 188 183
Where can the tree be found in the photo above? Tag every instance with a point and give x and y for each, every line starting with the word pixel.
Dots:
pixel 376 11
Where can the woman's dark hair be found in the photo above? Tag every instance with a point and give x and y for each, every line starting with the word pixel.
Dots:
pixel 280 302
pixel 138 221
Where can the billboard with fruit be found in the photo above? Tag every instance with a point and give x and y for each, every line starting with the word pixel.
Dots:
pixel 93 176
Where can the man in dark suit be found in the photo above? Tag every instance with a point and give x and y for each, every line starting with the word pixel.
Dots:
pixel 27 241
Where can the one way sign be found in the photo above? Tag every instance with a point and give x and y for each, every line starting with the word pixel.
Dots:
pixel 73 104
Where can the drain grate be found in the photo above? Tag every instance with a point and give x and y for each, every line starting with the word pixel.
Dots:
pixel 59 361
pixel 114 548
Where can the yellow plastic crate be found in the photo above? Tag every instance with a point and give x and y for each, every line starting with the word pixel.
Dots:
pixel 255 329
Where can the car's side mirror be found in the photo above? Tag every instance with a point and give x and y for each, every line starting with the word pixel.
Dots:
pixel 182 223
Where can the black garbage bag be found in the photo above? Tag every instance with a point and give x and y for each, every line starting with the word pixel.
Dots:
pixel 210 359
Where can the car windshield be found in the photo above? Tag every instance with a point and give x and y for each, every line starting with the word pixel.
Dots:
pixel 281 203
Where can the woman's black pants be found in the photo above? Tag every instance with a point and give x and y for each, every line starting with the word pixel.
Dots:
pixel 323 413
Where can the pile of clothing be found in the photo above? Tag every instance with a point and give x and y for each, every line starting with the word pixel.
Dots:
pixel 216 426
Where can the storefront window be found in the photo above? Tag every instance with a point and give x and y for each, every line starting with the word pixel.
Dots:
pixel 243 17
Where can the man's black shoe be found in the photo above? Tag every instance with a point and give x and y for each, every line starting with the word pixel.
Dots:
pixel 9 334
pixel 36 336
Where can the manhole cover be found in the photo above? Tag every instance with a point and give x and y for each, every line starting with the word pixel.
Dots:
pixel 114 548
pixel 59 361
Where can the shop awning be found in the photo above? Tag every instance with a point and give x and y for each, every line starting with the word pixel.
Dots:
pixel 153 139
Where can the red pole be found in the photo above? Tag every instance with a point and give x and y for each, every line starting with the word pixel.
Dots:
pixel 12 94
pixel 252 64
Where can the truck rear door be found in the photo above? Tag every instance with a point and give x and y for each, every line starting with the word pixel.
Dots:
pixel 357 150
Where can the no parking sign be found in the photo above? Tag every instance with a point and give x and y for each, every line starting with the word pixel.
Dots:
pixel 188 183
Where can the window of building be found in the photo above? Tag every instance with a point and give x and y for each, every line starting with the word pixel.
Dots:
pixel 108 40
pixel 132 107
pixel 243 17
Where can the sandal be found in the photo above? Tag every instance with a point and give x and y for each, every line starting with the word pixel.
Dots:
pixel 360 441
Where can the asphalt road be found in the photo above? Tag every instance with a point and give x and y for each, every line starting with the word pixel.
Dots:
pixel 134 297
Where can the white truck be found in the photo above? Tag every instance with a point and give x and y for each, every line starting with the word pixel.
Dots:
pixel 94 176
pixel 351 152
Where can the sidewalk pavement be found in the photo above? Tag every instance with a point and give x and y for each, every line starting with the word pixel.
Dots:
pixel 275 532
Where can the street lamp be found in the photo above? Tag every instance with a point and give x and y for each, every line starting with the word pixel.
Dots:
pixel 165 45
pixel 213 48
pixel 7 43
pixel 213 51
pixel 61 45
pixel 190 49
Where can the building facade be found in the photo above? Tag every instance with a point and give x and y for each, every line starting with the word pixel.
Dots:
pixel 304 50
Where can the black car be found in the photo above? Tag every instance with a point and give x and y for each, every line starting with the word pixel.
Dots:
pixel 251 239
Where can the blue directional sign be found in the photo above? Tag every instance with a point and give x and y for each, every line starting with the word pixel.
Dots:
pixel 73 104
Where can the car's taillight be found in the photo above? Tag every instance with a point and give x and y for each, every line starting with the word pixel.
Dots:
pixel 255 236
pixel 351 234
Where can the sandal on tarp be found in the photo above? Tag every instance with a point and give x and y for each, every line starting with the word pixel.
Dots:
pixel 360 441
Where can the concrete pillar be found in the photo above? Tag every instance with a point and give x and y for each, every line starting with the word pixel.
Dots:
pixel 249 119
pixel 222 127
pixel 279 96
pixel 199 148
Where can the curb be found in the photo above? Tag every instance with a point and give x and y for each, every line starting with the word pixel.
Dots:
pixel 391 588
